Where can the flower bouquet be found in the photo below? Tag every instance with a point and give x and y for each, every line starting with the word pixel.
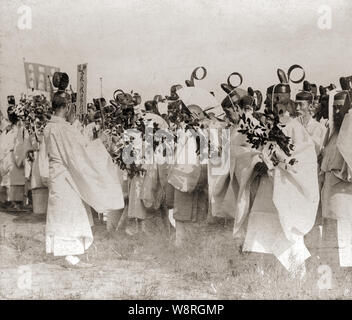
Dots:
pixel 267 136
pixel 34 113
pixel 121 121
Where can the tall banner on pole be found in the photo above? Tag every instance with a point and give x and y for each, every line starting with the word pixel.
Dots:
pixel 38 76
pixel 82 88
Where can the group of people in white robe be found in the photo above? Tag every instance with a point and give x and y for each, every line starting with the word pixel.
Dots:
pixel 274 209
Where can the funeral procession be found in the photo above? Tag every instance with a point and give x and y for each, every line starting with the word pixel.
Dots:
pixel 175 150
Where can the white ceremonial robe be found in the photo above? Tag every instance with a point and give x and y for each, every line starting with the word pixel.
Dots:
pixel 13 147
pixel 77 172
pixel 222 192
pixel 285 203
pixel 317 131
pixel 88 131
pixel 37 178
pixel 337 193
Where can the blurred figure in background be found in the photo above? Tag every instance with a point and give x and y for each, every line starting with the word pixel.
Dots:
pixel 336 194
pixel 12 154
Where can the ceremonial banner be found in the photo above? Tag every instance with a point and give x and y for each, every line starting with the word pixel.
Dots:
pixel 37 76
pixel 82 88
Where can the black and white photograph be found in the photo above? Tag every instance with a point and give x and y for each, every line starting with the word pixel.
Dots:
pixel 175 150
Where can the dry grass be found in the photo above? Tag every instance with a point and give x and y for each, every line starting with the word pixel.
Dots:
pixel 212 267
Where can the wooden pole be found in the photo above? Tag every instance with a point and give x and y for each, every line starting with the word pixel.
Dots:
pixel 101 87
pixel 25 80
pixel 101 108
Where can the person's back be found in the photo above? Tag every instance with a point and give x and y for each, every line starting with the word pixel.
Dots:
pixel 76 173
pixel 50 136
pixel 336 194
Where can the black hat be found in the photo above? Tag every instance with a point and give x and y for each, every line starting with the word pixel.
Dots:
pixel 305 96
pixel 190 83
pixel 158 98
pixel 11 100
pixel 124 99
pixel 342 98
pixel 279 88
pixel 98 103
pixel 228 87
pixel 310 87
pixel 173 95
pixel 346 83
pixel 325 90
pixel 279 93
pixel 233 93
pixel 151 105
pixel 248 99
pixel 60 80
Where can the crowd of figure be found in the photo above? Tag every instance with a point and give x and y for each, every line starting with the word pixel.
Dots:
pixel 287 174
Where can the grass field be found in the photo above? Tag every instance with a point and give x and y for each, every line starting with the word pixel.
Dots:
pixel 150 267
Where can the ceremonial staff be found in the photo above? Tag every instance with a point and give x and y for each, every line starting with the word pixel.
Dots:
pixel 101 109
pixel 24 63
pixel 51 89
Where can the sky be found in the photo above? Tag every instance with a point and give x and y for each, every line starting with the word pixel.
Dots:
pixel 149 45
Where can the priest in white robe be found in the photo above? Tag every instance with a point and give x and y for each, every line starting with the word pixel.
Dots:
pixel 78 173
pixel 317 131
pixel 13 147
pixel 277 204
pixel 337 189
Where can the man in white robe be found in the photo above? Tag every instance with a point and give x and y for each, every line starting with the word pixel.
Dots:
pixel 337 189
pixel 92 128
pixel 189 176
pixel 283 205
pixel 146 191
pixel 221 195
pixel 317 131
pixel 13 147
pixel 37 175
pixel 3 125
pixel 78 173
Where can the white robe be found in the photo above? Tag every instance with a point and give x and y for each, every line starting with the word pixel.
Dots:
pixel 337 191
pixel 317 131
pixel 285 204
pixel 88 131
pixel 77 173
pixel 222 192
pixel 14 145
